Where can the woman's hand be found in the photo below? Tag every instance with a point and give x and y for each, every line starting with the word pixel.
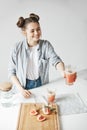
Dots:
pixel 63 74
pixel 61 68
pixel 25 93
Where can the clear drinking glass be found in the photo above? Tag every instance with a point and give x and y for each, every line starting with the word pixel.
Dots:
pixel 51 96
pixel 71 75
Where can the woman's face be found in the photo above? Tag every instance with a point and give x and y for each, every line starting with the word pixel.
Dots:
pixel 33 32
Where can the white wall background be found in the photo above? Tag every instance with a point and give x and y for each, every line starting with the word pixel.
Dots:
pixel 63 22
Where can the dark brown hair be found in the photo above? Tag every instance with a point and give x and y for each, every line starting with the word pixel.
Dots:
pixel 22 22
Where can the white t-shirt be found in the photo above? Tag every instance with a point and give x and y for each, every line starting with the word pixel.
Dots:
pixel 32 67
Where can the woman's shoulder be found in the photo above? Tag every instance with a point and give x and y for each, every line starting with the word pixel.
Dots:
pixel 16 46
pixel 45 42
pixel 19 43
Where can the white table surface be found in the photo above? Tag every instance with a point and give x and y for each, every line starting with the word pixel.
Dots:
pixel 9 115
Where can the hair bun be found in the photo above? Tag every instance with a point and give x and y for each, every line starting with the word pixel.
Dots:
pixel 21 22
pixel 32 15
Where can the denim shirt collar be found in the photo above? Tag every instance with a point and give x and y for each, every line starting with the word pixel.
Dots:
pixel 26 44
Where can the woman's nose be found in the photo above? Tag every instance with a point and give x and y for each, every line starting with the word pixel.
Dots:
pixel 36 32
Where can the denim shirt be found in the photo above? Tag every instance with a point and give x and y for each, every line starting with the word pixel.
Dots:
pixel 19 58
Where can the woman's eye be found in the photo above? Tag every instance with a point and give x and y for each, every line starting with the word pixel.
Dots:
pixel 32 31
pixel 38 29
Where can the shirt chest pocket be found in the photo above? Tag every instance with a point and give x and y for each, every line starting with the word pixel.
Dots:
pixel 44 63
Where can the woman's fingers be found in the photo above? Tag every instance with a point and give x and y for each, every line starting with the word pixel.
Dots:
pixel 26 93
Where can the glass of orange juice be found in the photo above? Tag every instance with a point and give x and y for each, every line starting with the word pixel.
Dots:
pixel 70 75
pixel 51 96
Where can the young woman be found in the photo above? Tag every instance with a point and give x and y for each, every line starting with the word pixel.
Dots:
pixel 30 58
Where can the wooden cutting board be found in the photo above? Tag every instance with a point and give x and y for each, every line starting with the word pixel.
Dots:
pixel 28 122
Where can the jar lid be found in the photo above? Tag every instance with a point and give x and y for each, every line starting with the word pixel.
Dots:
pixel 5 86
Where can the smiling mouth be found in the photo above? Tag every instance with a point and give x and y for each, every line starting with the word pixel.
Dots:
pixel 36 38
